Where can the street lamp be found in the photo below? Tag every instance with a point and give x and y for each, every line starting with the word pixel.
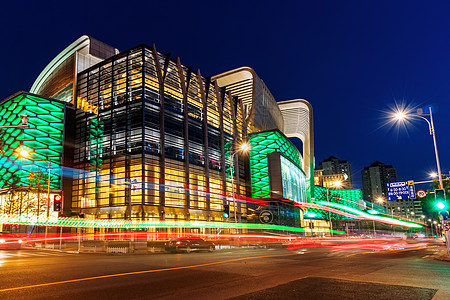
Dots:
pixel 244 148
pixel 380 200
pixel 401 115
pixel 24 120
pixel 25 154
pixel 435 227
pixel 337 184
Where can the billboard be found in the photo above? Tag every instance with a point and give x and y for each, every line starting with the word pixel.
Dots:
pixel 287 180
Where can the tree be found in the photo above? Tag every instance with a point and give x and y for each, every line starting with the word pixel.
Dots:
pixel 10 205
pixel 37 181
pixel 2 141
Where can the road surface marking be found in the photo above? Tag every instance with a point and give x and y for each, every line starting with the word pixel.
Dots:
pixel 141 272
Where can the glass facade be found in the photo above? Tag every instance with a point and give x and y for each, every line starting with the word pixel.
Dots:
pixel 151 139
pixel 43 140
pixel 293 181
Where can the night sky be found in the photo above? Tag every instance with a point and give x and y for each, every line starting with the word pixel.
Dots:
pixel 352 60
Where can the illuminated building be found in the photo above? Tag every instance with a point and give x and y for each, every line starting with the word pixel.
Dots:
pixel 26 181
pixel 334 181
pixel 153 139
pixel 334 166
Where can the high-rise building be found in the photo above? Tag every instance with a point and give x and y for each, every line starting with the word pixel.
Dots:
pixel 333 166
pixel 374 180
pixel 136 134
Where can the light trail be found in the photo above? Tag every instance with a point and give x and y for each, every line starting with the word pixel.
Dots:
pixel 367 216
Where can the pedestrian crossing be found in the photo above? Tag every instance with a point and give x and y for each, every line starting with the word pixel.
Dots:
pixel 15 254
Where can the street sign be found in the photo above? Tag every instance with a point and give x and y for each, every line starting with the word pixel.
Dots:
pixel 421 194
pixel 446 226
pixel 401 190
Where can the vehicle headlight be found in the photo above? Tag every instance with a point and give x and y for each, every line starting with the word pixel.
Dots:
pixel 2 241
pixel 20 241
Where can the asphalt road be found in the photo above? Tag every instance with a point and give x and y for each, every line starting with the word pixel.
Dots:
pixel 304 273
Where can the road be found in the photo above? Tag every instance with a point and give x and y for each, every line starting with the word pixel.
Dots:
pixel 303 273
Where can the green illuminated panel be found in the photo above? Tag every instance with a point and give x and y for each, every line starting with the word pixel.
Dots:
pixel 261 144
pixel 349 198
pixel 43 139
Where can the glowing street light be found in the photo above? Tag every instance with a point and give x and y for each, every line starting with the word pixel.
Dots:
pixel 25 154
pixel 243 148
pixel 337 183
pixel 402 116
pixel 433 174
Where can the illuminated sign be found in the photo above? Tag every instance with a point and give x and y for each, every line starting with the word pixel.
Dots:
pixel 86 106
pixel 287 181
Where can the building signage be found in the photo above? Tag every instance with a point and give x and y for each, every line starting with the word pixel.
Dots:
pixel 86 106
pixel 402 190
pixel 266 216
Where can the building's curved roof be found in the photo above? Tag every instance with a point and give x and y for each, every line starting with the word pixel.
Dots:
pixel 80 43
pixel 259 102
pixel 94 47
pixel 239 82
pixel 297 115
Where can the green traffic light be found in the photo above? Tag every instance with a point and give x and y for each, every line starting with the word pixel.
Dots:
pixel 440 205
pixel 226 215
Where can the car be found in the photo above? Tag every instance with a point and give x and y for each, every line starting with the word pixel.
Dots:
pixel 188 245
pixel 11 240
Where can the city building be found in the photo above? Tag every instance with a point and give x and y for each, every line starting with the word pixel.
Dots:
pixel 374 180
pixel 333 166
pixel 410 209
pixel 142 136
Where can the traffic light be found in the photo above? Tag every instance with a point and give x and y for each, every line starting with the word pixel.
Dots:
pixel 226 211
pixel 441 203
pixel 57 199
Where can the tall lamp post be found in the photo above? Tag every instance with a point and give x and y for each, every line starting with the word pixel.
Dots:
pixel 25 153
pixel 243 148
pixel 336 184
pixel 401 115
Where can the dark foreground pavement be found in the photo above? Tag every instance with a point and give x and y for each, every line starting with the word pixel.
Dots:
pixel 310 273
pixel 329 288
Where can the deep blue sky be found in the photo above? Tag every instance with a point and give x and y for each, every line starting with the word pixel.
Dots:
pixel 352 60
